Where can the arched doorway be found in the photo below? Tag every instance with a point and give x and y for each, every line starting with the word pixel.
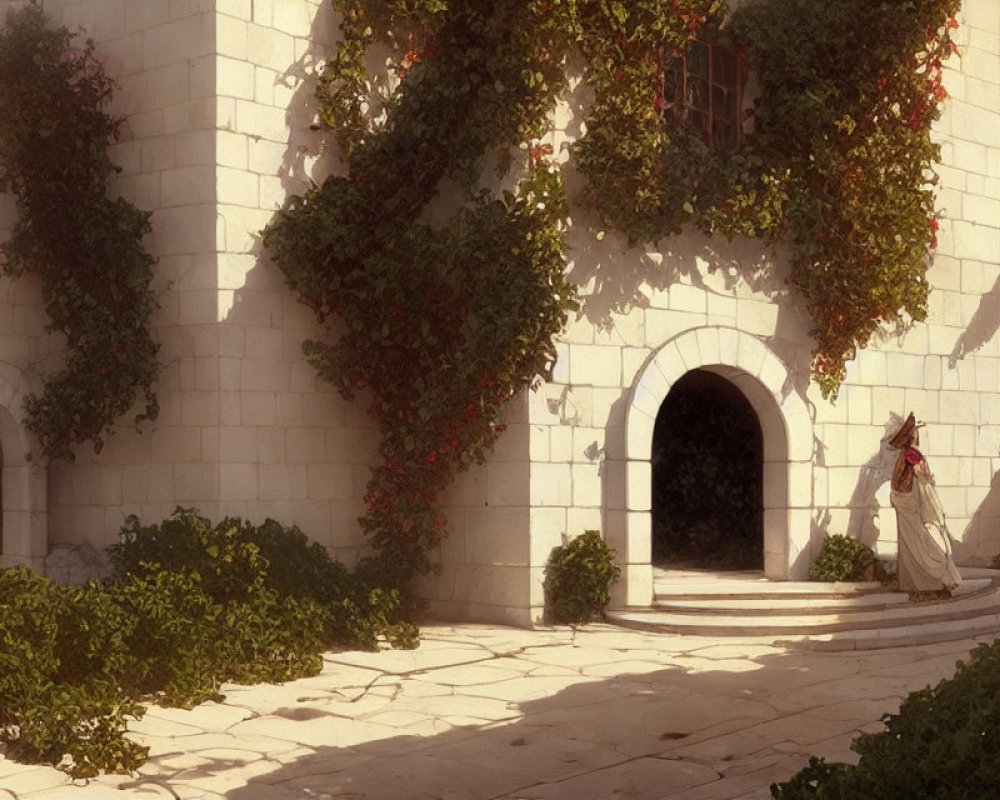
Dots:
pixel 786 426
pixel 708 468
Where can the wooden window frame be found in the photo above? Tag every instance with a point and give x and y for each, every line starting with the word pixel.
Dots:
pixel 704 116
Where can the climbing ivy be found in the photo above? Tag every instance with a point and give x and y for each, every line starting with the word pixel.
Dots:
pixel 837 160
pixel 642 172
pixel 84 246
pixel 441 318
pixel 848 93
pixel 439 324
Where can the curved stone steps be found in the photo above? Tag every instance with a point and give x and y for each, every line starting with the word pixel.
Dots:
pixel 862 600
pixel 828 616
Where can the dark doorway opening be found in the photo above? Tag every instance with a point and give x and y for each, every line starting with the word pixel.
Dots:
pixel 707 477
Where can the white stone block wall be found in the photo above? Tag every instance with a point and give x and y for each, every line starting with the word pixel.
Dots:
pixel 484 560
pixel 216 136
pixel 946 369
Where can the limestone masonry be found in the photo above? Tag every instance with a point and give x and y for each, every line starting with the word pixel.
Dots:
pixel 218 103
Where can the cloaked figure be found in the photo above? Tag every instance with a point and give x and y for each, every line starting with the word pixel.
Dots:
pixel 926 567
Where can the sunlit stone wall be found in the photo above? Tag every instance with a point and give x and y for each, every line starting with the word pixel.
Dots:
pixel 218 108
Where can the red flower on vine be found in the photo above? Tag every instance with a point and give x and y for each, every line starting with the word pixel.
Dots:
pixel 539 152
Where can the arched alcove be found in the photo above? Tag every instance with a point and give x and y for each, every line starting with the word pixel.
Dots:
pixel 786 434
pixel 707 460
pixel 23 505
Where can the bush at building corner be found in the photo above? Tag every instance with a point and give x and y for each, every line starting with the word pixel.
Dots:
pixel 578 579
pixel 842 559
pixel 189 607
pixel 943 743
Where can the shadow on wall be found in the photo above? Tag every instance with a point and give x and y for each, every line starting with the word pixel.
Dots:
pixel 982 327
pixel 982 535
pixel 976 545
pixel 615 278
pixel 981 540
pixel 304 451
pixel 311 155
pixel 865 502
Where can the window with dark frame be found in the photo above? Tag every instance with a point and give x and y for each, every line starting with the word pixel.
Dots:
pixel 703 92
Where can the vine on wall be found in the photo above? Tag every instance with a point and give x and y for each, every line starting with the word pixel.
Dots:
pixel 839 160
pixel 440 324
pixel 443 323
pixel 84 246
pixel 848 93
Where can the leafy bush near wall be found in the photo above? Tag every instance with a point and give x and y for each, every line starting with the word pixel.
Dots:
pixel 83 245
pixel 944 744
pixel 60 702
pixel 232 557
pixel 578 579
pixel 842 559
pixel 189 607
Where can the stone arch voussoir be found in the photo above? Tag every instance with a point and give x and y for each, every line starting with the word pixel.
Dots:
pixel 786 427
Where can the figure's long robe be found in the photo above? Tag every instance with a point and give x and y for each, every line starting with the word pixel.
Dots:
pixel 925 557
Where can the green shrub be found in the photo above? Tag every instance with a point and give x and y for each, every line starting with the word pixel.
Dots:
pixel 80 729
pixel 229 556
pixel 189 607
pixel 578 579
pixel 944 743
pixel 28 633
pixel 842 559
pixel 235 559
pixel 59 703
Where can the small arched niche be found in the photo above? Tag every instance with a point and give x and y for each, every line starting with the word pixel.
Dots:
pixel 23 505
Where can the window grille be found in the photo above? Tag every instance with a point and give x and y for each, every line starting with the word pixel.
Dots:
pixel 703 92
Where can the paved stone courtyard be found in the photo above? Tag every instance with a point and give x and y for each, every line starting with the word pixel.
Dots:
pixel 484 712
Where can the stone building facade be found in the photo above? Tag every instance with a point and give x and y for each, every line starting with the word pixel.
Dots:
pixel 219 105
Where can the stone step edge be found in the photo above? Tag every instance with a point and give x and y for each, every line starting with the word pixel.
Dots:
pixel 797 590
pixel 904 636
pixel 736 605
pixel 752 625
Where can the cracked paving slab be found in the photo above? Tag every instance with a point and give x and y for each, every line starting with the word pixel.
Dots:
pixel 496 713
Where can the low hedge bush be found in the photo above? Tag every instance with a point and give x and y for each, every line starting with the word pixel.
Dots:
pixel 189 606
pixel 578 579
pixel 943 744
pixel 842 559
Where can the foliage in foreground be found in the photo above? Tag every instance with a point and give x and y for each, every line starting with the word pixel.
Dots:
pixel 841 559
pixel 578 579
pixel 189 607
pixel 943 744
